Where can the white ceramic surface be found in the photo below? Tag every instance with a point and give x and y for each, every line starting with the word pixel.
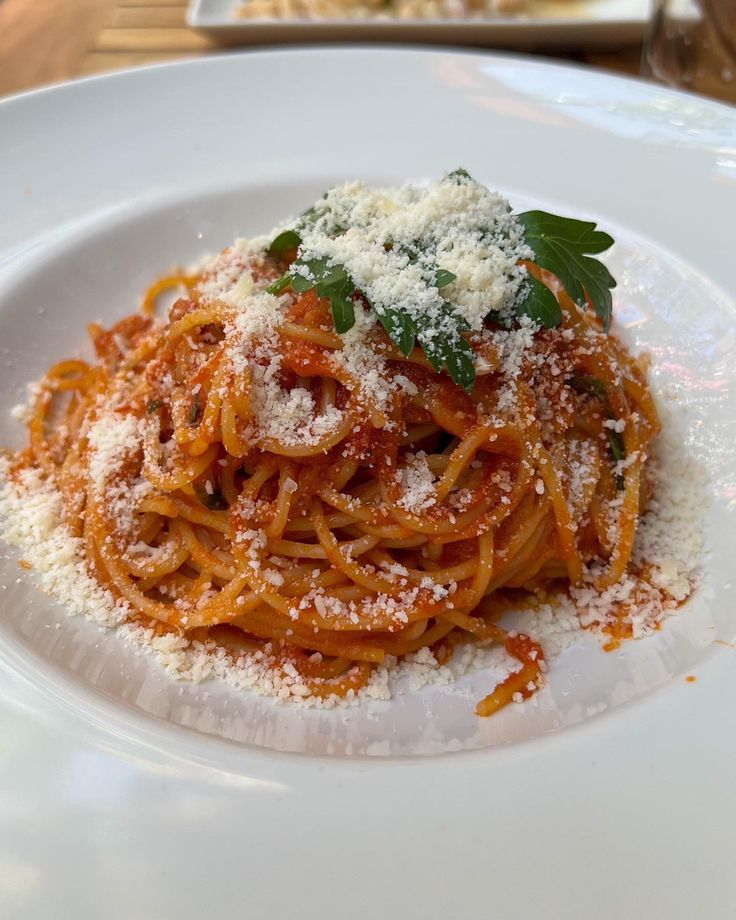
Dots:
pixel 117 790
pixel 550 23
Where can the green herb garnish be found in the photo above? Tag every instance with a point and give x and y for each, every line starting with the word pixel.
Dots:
pixel 540 304
pixel 400 328
pixel 153 406
pixel 587 383
pixel 563 246
pixel 459 176
pixel 331 282
pixel 560 245
pixel 442 278
pixel 214 501
pixel 594 386
pixel 195 411
pixel 280 285
pixel 618 452
pixel 285 242
pixel 448 348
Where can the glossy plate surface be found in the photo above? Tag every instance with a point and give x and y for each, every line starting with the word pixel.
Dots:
pixel 110 181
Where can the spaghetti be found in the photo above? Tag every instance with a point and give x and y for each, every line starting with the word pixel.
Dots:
pixel 241 474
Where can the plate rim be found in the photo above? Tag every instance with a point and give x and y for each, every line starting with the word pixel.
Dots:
pixel 374 48
pixel 74 688
pixel 675 809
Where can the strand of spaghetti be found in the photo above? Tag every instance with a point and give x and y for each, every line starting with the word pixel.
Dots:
pixel 296 585
pixel 317 336
pixel 143 352
pixel 167 557
pixel 196 436
pixel 533 558
pixel 356 678
pixel 440 576
pixel 361 513
pixel 398 645
pixel 317 666
pixel 468 597
pixel 304 527
pixel 626 524
pixel 326 642
pixel 275 528
pixel 118 577
pixel 181 507
pixel 316 447
pixel 523 682
pixel 201 556
pixel 340 560
pixel 563 518
pixel 148 305
pixel 216 314
pixel 450 522
pixel 236 404
pixel 186 469
pixel 641 395
pixel 296 550
pixel 478 627
pixel 461 458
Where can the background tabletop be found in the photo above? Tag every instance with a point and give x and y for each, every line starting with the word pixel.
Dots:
pixel 44 41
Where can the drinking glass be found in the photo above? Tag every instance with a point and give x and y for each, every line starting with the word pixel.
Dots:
pixel 692 44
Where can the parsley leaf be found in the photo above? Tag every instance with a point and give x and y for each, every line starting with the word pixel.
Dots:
pixel 442 278
pixel 399 327
pixel 540 304
pixel 280 284
pixel 343 312
pixel 460 365
pixel 442 346
pixel 563 246
pixel 285 241
pixel 459 176
pixel 331 282
pixel 445 346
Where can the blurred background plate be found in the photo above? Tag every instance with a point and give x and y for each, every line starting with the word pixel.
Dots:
pixel 548 23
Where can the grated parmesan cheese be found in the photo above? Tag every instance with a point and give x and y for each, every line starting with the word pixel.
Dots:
pixel 392 240
pixel 417 482
pixel 112 439
pixel 31 515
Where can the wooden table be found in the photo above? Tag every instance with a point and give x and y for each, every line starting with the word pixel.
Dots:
pixel 42 41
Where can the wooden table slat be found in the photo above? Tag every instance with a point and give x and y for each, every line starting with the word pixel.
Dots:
pixel 103 61
pixel 173 39
pixel 43 41
pixel 623 60
pixel 147 17
pixel 46 40
pixel 153 3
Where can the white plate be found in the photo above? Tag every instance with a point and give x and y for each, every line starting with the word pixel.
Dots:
pixel 553 23
pixel 116 789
